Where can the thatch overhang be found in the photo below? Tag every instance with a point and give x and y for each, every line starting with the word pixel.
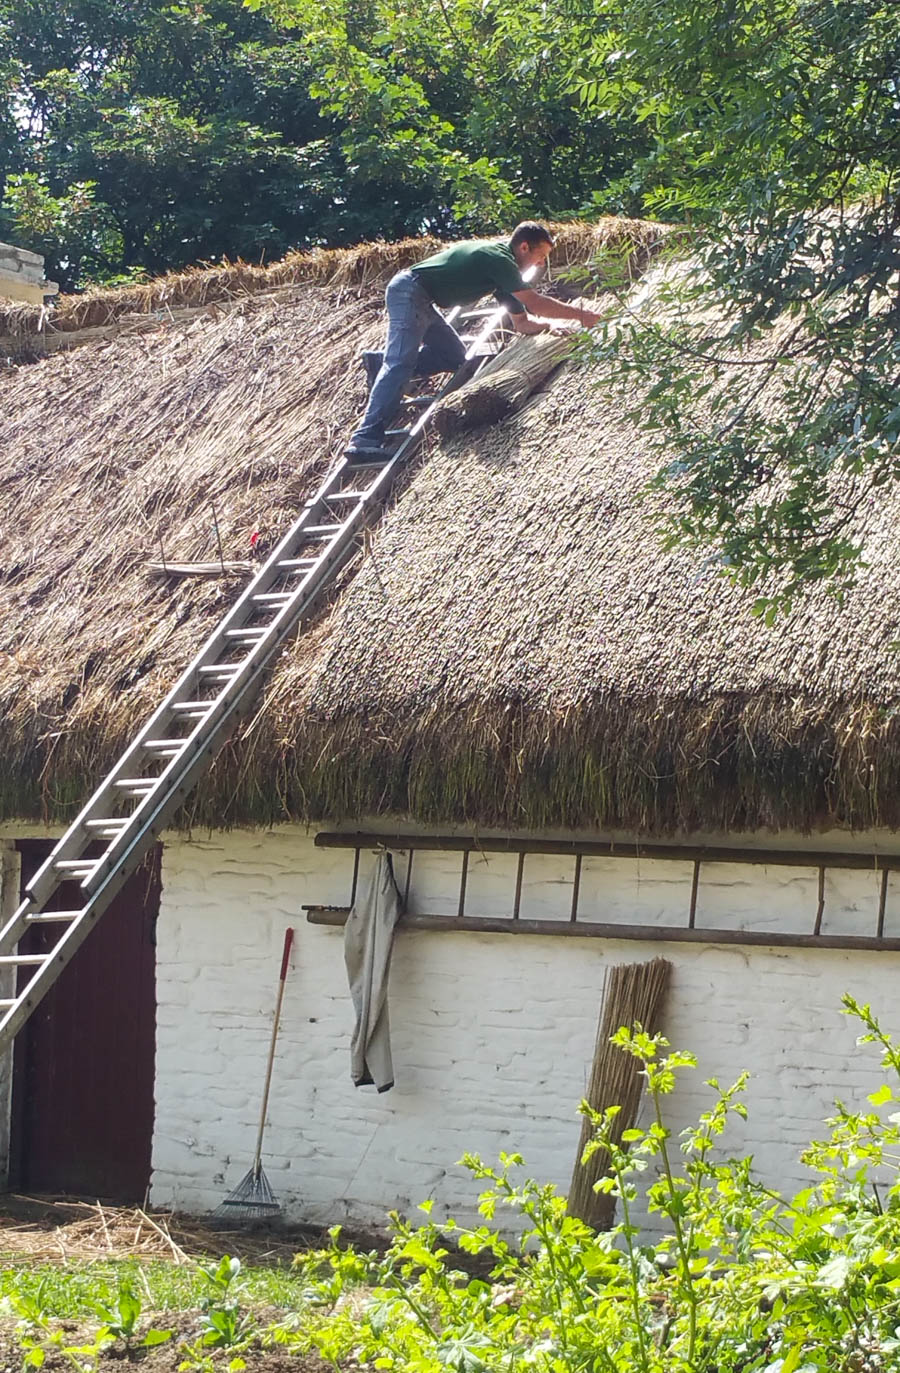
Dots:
pixel 515 650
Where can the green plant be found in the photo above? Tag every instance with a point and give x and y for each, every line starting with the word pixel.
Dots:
pixel 225 1326
pixel 740 1280
pixel 764 373
pixel 120 1317
pixel 38 1338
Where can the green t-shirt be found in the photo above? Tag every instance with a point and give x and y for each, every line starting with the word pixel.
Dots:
pixel 468 271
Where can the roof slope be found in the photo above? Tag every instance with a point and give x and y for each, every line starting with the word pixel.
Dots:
pixel 515 649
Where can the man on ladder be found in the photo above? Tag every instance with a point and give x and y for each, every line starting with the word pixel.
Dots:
pixel 420 342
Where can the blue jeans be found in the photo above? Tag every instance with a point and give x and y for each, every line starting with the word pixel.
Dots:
pixel 412 322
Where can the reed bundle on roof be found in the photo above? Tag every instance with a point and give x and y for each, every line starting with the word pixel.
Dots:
pixel 503 383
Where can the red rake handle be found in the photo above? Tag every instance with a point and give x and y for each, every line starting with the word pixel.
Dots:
pixel 286 955
pixel 285 960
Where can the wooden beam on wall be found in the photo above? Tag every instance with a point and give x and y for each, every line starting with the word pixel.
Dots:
pixel 596 929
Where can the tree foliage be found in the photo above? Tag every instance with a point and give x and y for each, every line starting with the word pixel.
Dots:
pixel 768 379
pixel 150 135
pixel 145 136
pixel 472 99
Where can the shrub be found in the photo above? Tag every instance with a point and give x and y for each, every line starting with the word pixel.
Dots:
pixel 742 1280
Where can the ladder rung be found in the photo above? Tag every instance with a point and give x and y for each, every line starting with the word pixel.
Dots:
pixel 248 636
pixel 15 960
pixel 76 865
pixel 192 707
pixel 105 825
pixel 52 917
pixel 273 597
pixel 169 746
pixel 397 433
pixel 225 671
pixel 321 528
pixel 348 496
pixel 138 786
pixel 5 1004
pixel 295 564
pixel 419 400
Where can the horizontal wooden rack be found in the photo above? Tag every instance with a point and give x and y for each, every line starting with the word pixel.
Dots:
pixel 573 926
pixel 592 929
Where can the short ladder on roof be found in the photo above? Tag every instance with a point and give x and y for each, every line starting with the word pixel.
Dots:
pixel 154 776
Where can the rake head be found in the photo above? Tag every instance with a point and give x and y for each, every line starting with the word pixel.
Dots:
pixel 252 1199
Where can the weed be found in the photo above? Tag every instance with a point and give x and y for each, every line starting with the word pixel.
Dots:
pixel 38 1338
pixel 121 1317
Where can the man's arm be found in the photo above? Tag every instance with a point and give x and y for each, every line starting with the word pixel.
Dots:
pixel 545 307
pixel 524 324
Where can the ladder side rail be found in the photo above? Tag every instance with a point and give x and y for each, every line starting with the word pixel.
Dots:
pixel 199 740
pixel 171 787
pixel 72 842
pixel 322 573
pixel 140 840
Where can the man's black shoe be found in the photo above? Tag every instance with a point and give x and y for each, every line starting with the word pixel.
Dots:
pixel 367 452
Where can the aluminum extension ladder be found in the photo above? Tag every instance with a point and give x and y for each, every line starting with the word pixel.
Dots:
pixel 154 776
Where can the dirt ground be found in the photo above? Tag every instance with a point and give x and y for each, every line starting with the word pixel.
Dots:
pixel 165 1358
pixel 41 1230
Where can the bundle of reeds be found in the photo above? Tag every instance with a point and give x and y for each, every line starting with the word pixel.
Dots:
pixel 633 994
pixel 503 384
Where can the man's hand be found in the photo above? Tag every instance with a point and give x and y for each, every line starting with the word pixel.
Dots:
pixel 524 324
pixel 546 306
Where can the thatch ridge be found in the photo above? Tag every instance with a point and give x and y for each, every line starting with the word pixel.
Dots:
pixel 514 651
pixel 362 266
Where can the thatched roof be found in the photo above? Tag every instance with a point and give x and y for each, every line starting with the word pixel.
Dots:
pixel 514 649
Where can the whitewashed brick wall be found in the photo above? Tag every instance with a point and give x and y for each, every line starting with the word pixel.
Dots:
pixel 492 1035
pixel 22 275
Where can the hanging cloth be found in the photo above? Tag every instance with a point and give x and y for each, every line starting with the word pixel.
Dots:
pixel 368 939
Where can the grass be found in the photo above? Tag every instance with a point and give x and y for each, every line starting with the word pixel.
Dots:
pixel 70 1292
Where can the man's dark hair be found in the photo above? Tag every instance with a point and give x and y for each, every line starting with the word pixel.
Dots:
pixel 530 232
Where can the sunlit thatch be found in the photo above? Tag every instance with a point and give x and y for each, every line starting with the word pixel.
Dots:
pixel 27 330
pixel 515 648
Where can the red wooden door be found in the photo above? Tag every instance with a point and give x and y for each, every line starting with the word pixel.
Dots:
pixel 82 1106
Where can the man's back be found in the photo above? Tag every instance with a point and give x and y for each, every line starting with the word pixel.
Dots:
pixel 465 272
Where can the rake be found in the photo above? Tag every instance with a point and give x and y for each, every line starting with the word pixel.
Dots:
pixel 253 1198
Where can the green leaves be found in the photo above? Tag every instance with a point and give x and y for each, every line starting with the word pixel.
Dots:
pixel 121 1317
pixel 741 1281
pixel 148 136
pixel 766 380
pixel 224 128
